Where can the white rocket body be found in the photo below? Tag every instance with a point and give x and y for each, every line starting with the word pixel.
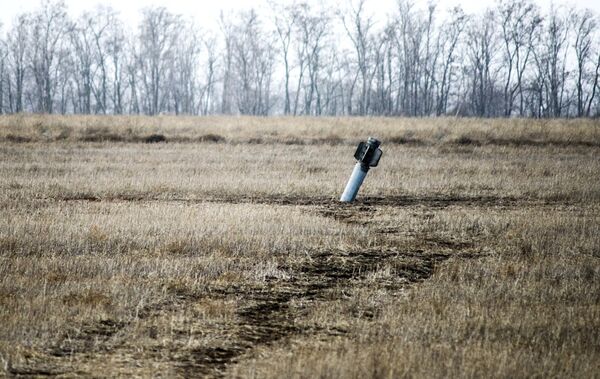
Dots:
pixel 356 179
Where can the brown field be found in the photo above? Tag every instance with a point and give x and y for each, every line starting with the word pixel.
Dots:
pixel 472 251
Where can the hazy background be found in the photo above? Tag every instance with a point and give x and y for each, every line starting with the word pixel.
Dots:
pixel 207 12
pixel 506 58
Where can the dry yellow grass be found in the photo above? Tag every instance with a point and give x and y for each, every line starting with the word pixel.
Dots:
pixel 527 307
pixel 473 249
pixel 300 130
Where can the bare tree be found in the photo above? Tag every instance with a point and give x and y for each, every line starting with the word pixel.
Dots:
pixel 3 55
pixel 183 76
pixel 585 26
pixel 253 56
pixel 311 32
pixel 554 50
pixel 594 86
pixel 100 24
pixel 302 42
pixel 210 64
pixel 18 42
pixel 132 68
pixel 157 40
pixel 410 36
pixel 382 103
pixel 49 25
pixel 83 44
pixel 519 20
pixel 433 49
pixel 452 32
pixel 331 83
pixel 481 50
pixel 228 30
pixel 286 18
pixel 359 28
pixel 116 48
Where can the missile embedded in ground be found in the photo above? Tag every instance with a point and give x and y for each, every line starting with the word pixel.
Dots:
pixel 367 155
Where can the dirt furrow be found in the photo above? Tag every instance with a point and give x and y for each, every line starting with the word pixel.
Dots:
pixel 264 315
pixel 330 204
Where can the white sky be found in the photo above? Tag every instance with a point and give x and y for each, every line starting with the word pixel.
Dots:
pixel 206 12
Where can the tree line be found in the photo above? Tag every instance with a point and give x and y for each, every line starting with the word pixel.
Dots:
pixel 514 59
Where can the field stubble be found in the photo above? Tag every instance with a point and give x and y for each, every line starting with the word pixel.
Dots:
pixel 472 251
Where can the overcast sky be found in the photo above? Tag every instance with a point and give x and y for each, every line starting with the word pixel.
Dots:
pixel 207 12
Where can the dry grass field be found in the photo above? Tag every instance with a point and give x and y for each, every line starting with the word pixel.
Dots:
pixel 473 250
